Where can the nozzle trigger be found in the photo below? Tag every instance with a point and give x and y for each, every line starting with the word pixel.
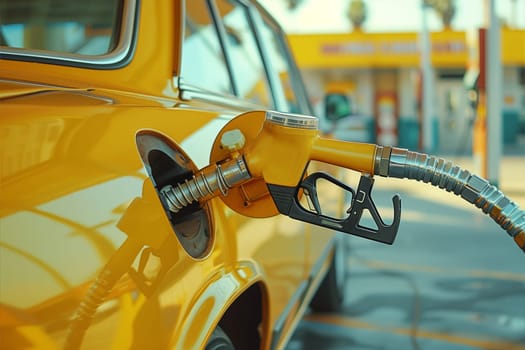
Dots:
pixel 287 202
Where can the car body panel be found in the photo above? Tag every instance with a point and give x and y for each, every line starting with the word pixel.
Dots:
pixel 74 195
pixel 78 186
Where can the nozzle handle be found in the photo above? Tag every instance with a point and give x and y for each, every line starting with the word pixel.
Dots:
pixel 287 202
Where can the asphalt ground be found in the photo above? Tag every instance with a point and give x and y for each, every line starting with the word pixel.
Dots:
pixel 452 279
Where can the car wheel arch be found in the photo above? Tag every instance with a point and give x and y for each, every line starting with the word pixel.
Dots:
pixel 240 310
pixel 245 321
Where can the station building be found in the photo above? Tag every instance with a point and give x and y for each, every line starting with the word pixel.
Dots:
pixel 380 74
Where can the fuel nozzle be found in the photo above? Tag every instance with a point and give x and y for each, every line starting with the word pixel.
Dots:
pixel 258 168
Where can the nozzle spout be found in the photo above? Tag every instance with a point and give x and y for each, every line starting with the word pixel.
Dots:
pixel 211 181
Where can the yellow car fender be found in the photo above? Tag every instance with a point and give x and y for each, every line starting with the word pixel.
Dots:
pixel 225 286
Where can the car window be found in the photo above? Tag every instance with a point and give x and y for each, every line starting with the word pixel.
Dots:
pixel 276 54
pixel 203 62
pixel 246 61
pixel 61 26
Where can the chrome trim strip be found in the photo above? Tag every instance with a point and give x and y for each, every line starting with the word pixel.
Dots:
pixel 114 58
pixel 189 92
pixel 280 323
pixel 323 258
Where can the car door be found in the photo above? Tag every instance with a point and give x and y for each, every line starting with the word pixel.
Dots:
pixel 250 80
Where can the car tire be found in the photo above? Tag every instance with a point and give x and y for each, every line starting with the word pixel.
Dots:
pixel 219 340
pixel 330 295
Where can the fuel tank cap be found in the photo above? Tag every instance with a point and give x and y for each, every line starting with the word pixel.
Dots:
pixel 298 121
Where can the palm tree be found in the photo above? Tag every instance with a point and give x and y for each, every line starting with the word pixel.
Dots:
pixel 357 13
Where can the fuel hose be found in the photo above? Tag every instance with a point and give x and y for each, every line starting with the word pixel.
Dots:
pixel 404 164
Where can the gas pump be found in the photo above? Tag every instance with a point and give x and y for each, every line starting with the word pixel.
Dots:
pixel 258 168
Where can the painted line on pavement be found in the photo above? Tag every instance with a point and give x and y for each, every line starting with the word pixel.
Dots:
pixel 354 323
pixel 388 265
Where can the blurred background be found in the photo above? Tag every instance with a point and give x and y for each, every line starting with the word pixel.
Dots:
pixel 372 59
pixel 444 77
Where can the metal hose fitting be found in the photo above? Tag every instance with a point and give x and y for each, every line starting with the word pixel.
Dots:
pixel 211 181
pixel 452 178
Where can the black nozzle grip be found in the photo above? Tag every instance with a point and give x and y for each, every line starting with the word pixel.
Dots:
pixel 286 201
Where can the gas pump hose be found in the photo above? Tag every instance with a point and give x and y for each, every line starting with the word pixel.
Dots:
pixel 401 163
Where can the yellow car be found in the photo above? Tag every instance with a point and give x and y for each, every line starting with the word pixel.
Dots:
pixel 89 257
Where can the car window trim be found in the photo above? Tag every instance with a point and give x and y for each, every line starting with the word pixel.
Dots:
pixel 117 58
pixel 221 33
pixel 276 88
pixel 296 78
pixel 189 92
pixel 247 7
